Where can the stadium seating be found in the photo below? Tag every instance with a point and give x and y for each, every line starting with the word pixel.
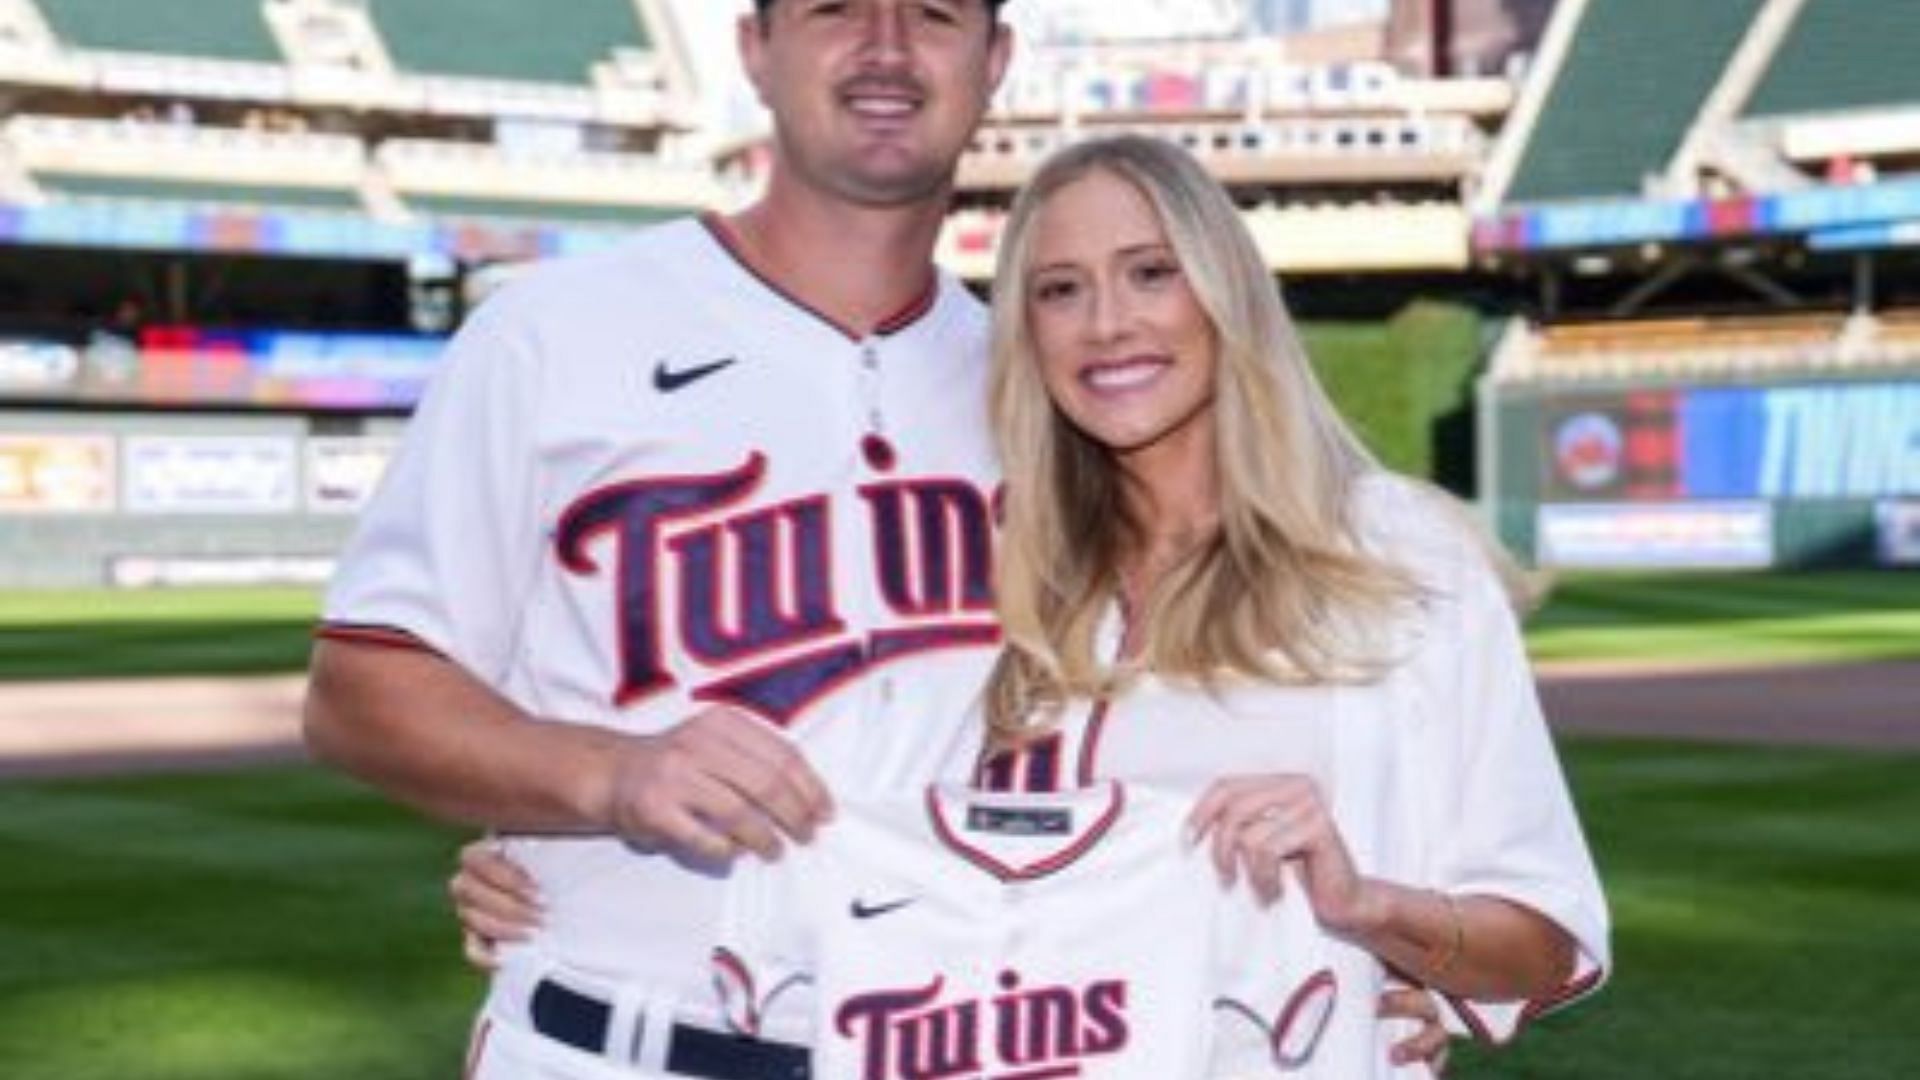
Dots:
pixel 232 29
pixel 1842 54
pixel 494 39
pixel 124 158
pixel 1696 346
pixel 1635 76
pixel 1355 149
pixel 445 177
pixel 174 148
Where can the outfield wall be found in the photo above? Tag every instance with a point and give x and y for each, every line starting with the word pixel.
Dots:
pixel 1814 469
pixel 147 498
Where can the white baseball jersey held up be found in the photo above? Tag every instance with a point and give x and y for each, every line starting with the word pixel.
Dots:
pixel 973 934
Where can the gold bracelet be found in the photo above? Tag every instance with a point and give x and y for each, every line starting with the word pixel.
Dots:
pixel 1440 960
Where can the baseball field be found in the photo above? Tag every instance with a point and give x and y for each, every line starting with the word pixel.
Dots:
pixel 279 922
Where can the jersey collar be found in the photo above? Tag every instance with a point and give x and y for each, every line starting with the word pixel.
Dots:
pixel 1094 810
pixel 911 313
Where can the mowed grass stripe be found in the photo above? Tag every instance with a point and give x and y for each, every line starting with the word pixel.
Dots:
pixel 73 847
pixel 76 634
pixel 1823 617
pixel 56 607
pixel 154 647
pixel 1681 600
pixel 1807 638
pixel 281 923
pixel 1763 917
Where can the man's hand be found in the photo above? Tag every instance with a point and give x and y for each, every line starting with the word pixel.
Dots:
pixel 717 784
pixel 1431 1043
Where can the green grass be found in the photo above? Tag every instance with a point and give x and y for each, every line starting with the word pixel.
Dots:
pixel 1811 617
pixel 273 924
pixel 284 923
pixel 1764 917
pixel 94 633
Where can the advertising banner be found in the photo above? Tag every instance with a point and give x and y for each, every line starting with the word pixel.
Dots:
pixel 55 473
pixel 209 474
pixel 38 368
pixel 1898 526
pixel 1841 440
pixel 148 571
pixel 1652 535
pixel 343 472
pixel 281 368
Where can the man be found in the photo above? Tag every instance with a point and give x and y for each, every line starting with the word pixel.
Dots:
pixel 687 535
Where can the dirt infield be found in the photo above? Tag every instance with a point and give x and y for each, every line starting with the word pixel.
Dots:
pixel 121 725
pixel 109 726
pixel 1869 706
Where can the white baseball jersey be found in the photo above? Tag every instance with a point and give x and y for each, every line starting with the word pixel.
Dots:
pixel 1440 775
pixel 972 934
pixel 646 480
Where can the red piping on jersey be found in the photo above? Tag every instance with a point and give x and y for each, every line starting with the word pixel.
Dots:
pixel 477 1050
pixel 1482 1032
pixel 389 637
pixel 1090 741
pixel 1311 990
pixel 728 966
pixel 921 303
pixel 979 857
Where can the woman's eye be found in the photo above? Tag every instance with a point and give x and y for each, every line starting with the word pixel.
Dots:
pixel 1155 273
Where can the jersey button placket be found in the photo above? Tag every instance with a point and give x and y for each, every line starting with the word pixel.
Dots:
pixel 870 386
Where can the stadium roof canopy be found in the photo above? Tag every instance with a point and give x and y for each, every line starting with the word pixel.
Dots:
pixel 556 41
pixel 224 29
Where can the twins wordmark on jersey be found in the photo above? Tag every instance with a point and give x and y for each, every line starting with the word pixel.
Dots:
pixel 998 936
pixel 755 586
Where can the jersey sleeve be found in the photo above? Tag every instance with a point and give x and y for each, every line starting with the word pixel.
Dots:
pixel 1507 826
pixel 762 949
pixel 445 550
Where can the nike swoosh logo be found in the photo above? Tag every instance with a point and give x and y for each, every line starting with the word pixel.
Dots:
pixel 668 379
pixel 862 910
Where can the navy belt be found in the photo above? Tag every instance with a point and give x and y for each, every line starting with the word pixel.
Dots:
pixel 581 1021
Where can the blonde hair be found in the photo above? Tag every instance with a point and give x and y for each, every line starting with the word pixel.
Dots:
pixel 1282 590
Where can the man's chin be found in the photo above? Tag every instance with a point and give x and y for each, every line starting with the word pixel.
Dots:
pixel 898 185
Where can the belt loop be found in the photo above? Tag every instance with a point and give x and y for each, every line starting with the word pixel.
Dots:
pixel 655 1031
pixel 628 1027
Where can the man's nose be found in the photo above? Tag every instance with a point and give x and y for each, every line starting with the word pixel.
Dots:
pixel 885 33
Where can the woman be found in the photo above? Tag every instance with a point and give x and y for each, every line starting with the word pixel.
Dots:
pixel 1206 582
pixel 1210 579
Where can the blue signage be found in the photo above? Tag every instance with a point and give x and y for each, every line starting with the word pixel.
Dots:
pixel 1827 441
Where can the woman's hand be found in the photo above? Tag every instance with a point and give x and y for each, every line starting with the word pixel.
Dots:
pixel 495 900
pixel 1257 824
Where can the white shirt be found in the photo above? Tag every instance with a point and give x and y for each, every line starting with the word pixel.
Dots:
pixel 645 481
